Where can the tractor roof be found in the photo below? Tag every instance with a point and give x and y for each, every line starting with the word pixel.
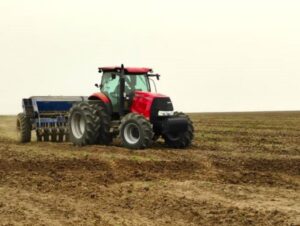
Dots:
pixel 128 70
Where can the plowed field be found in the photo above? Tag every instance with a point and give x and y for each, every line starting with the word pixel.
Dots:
pixel 243 169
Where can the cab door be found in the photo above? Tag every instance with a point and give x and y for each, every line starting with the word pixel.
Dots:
pixel 110 86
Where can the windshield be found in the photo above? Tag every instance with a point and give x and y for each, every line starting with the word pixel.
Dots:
pixel 136 83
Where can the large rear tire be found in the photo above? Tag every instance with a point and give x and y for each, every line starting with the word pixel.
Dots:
pixel 84 124
pixel 23 128
pixel 182 139
pixel 94 120
pixel 104 137
pixel 136 131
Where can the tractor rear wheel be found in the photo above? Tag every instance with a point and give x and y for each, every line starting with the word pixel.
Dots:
pixel 181 139
pixel 23 128
pixel 136 131
pixel 84 124
pixel 104 137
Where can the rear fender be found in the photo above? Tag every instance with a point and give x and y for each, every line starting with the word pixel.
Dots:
pixel 104 100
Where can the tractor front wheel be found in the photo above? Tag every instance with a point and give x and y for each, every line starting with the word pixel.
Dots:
pixel 180 139
pixel 136 131
pixel 23 128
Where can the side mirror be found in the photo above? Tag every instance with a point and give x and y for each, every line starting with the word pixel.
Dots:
pixel 154 75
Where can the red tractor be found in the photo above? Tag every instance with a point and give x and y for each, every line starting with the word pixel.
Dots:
pixel 125 106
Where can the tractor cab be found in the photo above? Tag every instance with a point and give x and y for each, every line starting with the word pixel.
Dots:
pixel 110 86
pixel 123 85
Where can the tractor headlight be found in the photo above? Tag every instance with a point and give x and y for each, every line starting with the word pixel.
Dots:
pixel 165 113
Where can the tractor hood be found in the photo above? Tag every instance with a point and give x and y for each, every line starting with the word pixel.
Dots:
pixel 144 103
pixel 148 94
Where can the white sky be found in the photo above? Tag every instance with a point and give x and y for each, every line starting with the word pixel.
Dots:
pixel 212 55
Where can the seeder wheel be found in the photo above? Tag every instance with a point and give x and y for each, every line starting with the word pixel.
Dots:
pixel 46 134
pixel 54 135
pixel 61 135
pixel 39 135
pixel 23 128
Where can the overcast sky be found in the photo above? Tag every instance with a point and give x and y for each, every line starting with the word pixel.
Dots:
pixel 212 55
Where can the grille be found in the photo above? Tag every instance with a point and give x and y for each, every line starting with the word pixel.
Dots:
pixel 160 104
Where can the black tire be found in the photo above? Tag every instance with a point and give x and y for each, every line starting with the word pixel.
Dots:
pixel 106 106
pixel 61 134
pixel 23 128
pixel 67 136
pixel 83 124
pixel 46 134
pixel 136 132
pixel 104 137
pixel 183 139
pixel 54 135
pixel 39 136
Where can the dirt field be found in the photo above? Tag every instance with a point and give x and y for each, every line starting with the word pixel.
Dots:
pixel 243 169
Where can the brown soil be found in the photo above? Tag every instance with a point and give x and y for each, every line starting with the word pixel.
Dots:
pixel 243 169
